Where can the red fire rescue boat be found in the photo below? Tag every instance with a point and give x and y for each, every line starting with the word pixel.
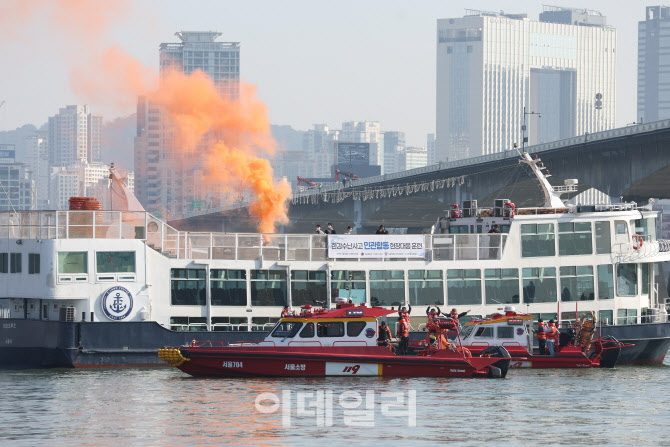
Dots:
pixel 338 342
pixel 579 346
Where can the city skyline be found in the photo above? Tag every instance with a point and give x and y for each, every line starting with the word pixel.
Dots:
pixel 299 79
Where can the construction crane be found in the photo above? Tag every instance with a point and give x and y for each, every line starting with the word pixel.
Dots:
pixel 302 180
pixel 348 175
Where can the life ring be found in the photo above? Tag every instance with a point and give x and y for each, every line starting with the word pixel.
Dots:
pixel 637 241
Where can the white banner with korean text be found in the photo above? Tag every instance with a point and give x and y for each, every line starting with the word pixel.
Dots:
pixel 376 246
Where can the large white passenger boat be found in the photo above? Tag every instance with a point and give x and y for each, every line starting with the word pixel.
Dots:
pixel 103 288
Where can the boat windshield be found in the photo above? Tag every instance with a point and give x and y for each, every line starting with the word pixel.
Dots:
pixel 286 329
pixel 467 330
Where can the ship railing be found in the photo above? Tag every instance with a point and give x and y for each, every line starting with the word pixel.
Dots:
pixel 305 343
pixel 223 246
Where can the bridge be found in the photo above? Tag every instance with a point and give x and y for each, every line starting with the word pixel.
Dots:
pixel 632 162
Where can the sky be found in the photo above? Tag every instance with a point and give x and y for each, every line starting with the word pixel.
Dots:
pixel 312 61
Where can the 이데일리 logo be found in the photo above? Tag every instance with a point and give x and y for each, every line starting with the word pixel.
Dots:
pixel 117 303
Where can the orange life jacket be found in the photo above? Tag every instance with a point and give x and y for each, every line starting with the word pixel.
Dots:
pixel 403 329
pixel 284 313
pixel 405 315
pixel 540 331
pixel 552 334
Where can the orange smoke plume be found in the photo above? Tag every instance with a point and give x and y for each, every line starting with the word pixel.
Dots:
pixel 235 133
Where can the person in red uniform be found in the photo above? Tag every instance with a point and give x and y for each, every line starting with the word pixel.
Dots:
pixel 286 312
pixel 552 337
pixel 403 335
pixel 432 313
pixel 541 336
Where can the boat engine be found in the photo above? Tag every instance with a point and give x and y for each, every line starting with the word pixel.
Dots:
pixel 499 369
pixel 609 356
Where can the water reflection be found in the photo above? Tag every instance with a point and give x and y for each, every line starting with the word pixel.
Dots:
pixel 627 405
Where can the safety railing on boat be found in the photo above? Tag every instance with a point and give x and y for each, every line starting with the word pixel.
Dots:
pixel 222 246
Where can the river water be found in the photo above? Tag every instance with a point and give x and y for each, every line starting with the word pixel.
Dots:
pixel 623 406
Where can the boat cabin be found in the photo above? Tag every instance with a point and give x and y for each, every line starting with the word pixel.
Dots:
pixel 510 329
pixel 348 324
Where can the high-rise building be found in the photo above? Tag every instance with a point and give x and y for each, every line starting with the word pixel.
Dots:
pixel 394 145
pixel 413 157
pixel 64 183
pixel 365 132
pixel 37 158
pixel 653 65
pixel 74 136
pixel 430 148
pixel 320 143
pixel 493 68
pixel 166 182
pixel 17 189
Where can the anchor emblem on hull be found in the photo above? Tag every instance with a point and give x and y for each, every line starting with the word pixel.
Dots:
pixel 118 306
pixel 117 303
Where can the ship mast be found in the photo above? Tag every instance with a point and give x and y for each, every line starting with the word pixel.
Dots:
pixel 552 194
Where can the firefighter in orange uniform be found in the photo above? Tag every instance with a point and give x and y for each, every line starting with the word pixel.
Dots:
pixel 454 315
pixel 552 337
pixel 403 335
pixel 404 313
pixel 541 336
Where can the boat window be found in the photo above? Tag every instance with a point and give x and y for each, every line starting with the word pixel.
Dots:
pixel 4 262
pixel 501 286
pixel 537 240
pixel 241 323
pixel 644 280
pixel 574 238
pixel 308 285
pixel 349 284
pixel 577 283
pixel 539 285
pixel 505 332
pixel 330 329
pixel 464 286
pixel 484 332
pixel 458 229
pixel 268 288
pixel 466 331
pixel 307 331
pixel 33 263
pixel 606 317
pixel 354 328
pixel 286 329
pixel 115 261
pixel 646 228
pixel 15 262
pixel 387 287
pixel 626 279
pixel 70 262
pixel 426 287
pixel 188 287
pixel 228 287
pixel 626 316
pixel 605 282
pixel 620 227
pixel 603 237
